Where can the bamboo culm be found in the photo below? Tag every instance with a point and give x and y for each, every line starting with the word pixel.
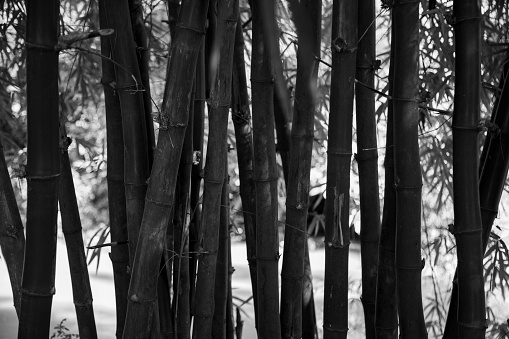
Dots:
pixel 493 168
pixel 307 15
pixel 467 214
pixel 181 282
pixel 143 56
pixel 219 320
pixel 12 237
pixel 71 227
pixel 386 306
pixel 241 117
pixel 339 153
pixel 367 160
pixel 197 170
pixel 407 171
pixel 265 174
pixel 160 196
pixel 128 86
pixel 43 169
pixel 115 176
pixel 215 168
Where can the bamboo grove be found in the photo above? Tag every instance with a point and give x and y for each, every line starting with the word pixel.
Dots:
pixel 253 98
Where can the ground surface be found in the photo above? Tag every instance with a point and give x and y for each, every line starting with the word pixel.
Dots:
pixel 103 293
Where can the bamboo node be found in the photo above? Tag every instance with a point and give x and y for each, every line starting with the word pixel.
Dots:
pixel 341 46
pixel 417 100
pixel 193 29
pixel 339 154
pixel 275 258
pixel 11 231
pixel 404 2
pixel 330 328
pixel 48 294
pixel 372 66
pixel 487 126
pixel 269 179
pixel 263 81
pixel 37 46
pixel 366 155
pixel 293 277
pixel 453 20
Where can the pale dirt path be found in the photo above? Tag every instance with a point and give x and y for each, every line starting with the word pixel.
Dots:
pixel 104 297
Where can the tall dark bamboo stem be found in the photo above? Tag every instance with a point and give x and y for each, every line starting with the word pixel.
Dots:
pixel 116 192
pixel 386 307
pixel 173 14
pixel 197 170
pixel 215 168
pixel 43 168
pixel 367 160
pixel 211 48
pixel 283 130
pixel 307 15
pixel 12 237
pixel 241 117
pixel 407 174
pixel 219 321
pixel 489 137
pixel 309 328
pixel 265 174
pixel 143 56
pixel 129 89
pixel 169 248
pixel 160 196
pixel 339 153
pixel 181 284
pixel 491 184
pixel 230 327
pixel 71 227
pixel 467 213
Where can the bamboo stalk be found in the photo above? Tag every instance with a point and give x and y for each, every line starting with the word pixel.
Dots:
pixel 230 327
pixel 241 117
pixel 215 168
pixel 407 177
pixel 386 307
pixel 71 227
pixel 467 213
pixel 161 192
pixel 197 170
pixel 491 184
pixel 143 56
pixel 367 160
pixel 181 283
pixel 43 169
pixel 12 237
pixel 219 320
pixel 115 176
pixel 337 231
pixel 265 174
pixel 129 89
pixel 307 15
